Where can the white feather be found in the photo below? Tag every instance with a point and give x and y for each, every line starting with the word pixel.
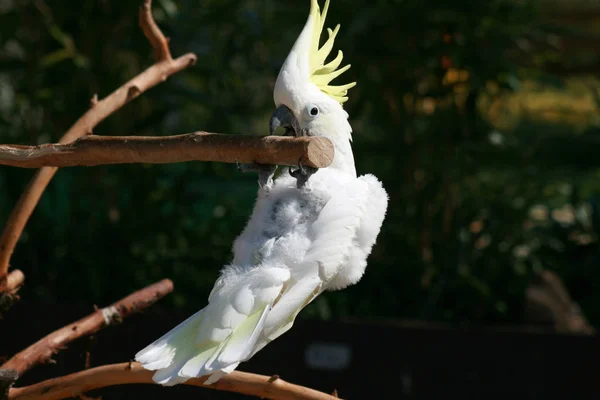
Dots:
pixel 219 335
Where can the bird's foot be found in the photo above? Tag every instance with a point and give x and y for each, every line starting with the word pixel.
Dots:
pixel 302 173
pixel 265 172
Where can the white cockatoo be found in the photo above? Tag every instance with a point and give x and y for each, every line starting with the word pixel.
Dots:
pixel 310 231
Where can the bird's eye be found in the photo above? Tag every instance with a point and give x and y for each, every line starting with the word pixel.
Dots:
pixel 313 111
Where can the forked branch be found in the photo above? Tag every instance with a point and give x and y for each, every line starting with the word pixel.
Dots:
pixel 128 373
pixel 199 146
pixel 157 73
pixel 45 348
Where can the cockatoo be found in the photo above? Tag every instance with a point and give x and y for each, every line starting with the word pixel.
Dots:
pixel 310 231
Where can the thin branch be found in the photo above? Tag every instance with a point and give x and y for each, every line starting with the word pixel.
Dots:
pixel 153 33
pixel 550 296
pixel 131 373
pixel 199 146
pixel 45 348
pixel 149 78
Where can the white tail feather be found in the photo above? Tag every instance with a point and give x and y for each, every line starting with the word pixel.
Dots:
pixel 216 339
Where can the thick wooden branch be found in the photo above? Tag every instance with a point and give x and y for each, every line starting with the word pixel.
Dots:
pixel 100 110
pixel 199 146
pixel 45 348
pixel 129 373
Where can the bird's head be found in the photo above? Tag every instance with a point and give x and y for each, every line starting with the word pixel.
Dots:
pixel 306 102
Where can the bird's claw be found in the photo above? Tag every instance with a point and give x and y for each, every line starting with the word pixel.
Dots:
pixel 302 173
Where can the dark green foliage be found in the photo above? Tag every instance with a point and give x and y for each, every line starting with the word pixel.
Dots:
pixel 458 243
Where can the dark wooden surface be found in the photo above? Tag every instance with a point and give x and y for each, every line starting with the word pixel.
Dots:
pixel 396 360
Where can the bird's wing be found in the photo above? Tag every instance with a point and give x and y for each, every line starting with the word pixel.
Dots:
pixel 335 231
pixel 374 213
pixel 334 234
pixel 372 217
pixel 222 334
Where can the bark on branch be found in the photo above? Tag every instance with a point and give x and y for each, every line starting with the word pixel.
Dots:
pixel 45 348
pixel 153 33
pixel 157 73
pixel 7 379
pixel 128 373
pixel 199 146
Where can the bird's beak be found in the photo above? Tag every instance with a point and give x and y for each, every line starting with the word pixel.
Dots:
pixel 285 118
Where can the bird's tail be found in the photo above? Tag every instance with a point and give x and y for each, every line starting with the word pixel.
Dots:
pixel 168 353
pixel 217 338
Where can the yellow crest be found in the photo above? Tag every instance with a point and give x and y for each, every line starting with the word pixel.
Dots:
pixel 320 73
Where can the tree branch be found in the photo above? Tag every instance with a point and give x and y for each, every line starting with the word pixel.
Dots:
pixel 8 289
pixel 42 350
pixel 130 373
pixel 7 379
pixel 152 32
pixel 11 282
pixel 149 78
pixel 550 297
pixel 199 146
